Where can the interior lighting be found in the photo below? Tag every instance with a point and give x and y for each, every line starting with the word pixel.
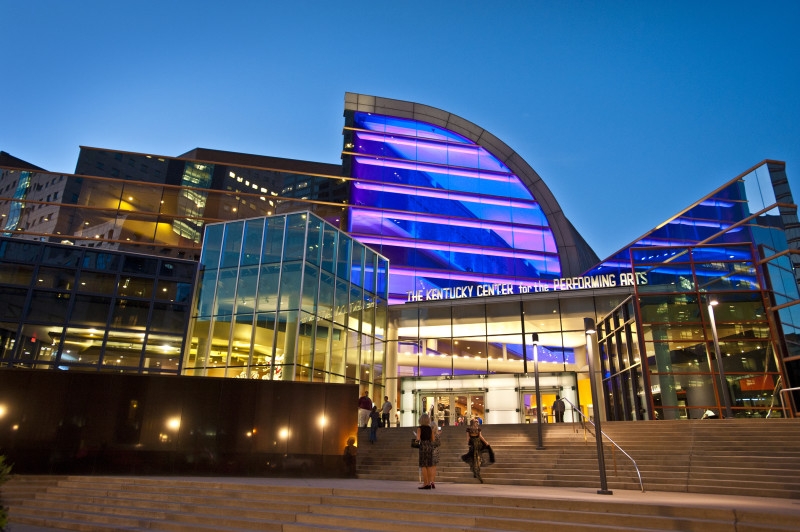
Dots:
pixel 455 248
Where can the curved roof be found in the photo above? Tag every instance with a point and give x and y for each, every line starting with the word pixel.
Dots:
pixel 575 254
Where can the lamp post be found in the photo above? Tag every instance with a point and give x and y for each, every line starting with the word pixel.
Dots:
pixel 726 401
pixel 535 340
pixel 588 326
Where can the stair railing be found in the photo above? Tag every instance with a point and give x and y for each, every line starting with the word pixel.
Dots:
pixel 783 404
pixel 585 419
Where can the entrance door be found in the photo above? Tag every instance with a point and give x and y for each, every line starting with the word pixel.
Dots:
pixel 530 409
pixel 452 408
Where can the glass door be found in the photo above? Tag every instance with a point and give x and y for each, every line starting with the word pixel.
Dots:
pixel 477 407
pixel 452 408
pixel 533 413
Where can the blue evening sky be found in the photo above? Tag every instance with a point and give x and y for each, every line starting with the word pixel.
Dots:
pixel 629 110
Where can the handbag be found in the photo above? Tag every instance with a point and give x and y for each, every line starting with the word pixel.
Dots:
pixel 415 443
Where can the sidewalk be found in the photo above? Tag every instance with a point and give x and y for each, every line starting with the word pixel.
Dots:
pixel 656 498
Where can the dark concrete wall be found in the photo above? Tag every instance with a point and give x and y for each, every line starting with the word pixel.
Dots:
pixel 59 422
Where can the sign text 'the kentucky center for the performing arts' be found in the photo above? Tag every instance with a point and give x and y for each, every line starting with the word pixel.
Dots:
pixel 501 289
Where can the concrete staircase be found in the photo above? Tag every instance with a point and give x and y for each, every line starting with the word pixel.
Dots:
pixel 137 504
pixel 750 458
pixel 757 458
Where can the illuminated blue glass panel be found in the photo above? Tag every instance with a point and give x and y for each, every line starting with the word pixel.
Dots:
pixel 410 128
pixel 715 220
pixel 445 211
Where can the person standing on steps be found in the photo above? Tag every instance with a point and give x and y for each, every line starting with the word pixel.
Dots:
pixel 385 411
pixel 425 437
pixel 374 421
pixel 349 457
pixel 476 444
pixel 558 409
pixel 364 408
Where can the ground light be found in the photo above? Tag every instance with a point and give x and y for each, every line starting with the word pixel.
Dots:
pixel 588 326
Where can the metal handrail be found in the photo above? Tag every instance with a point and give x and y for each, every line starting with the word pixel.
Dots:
pixel 783 405
pixel 583 417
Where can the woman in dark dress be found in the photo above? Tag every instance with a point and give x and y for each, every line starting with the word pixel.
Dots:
pixel 425 437
pixel 476 445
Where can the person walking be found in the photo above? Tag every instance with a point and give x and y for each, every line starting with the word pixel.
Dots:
pixel 476 443
pixel 364 408
pixel 558 409
pixel 374 421
pixel 385 411
pixel 425 437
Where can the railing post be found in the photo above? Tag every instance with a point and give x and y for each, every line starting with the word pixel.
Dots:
pixel 588 325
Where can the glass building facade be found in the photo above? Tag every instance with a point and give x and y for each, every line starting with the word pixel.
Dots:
pixel 156 204
pixel 665 351
pixel 450 205
pixel 478 256
pixel 74 308
pixel 289 297
pixel 734 248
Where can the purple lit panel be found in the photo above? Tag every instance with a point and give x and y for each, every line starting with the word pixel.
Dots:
pixel 412 149
pixel 454 196
pixel 411 128
pixel 533 233
pixel 401 271
pixel 456 248
pixel 430 169
pixel 434 200
pixel 519 238
pixel 447 178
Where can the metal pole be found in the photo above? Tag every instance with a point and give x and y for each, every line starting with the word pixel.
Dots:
pixel 726 401
pixel 588 325
pixel 535 339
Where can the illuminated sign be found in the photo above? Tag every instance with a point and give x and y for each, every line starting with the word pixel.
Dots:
pixel 501 289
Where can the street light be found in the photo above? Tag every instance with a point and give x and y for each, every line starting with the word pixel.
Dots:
pixel 588 326
pixel 535 340
pixel 726 401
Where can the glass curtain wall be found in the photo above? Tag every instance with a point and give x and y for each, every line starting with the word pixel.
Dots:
pixel 73 308
pixel 491 337
pixel 289 298
pixel 625 391
pixel 151 204
pixel 697 292
pixel 444 210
